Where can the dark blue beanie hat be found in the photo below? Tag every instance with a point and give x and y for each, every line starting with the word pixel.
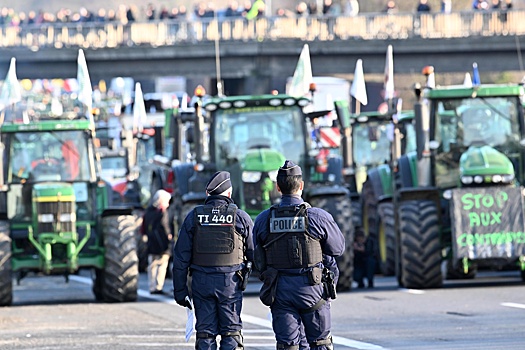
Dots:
pixel 289 168
pixel 219 182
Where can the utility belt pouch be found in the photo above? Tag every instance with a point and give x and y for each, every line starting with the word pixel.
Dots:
pixel 315 276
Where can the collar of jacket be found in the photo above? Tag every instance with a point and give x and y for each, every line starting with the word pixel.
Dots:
pixel 290 199
pixel 217 200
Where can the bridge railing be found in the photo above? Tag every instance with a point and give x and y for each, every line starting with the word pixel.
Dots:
pixel 364 27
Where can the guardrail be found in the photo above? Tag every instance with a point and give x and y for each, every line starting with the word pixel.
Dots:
pixel 363 27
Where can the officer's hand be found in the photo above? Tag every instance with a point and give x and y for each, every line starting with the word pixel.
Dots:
pixel 186 302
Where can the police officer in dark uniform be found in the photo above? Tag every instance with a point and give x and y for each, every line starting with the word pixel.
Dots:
pixel 295 250
pixel 215 245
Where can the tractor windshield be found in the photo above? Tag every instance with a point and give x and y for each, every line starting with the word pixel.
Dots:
pixel 372 142
pixel 48 156
pixel 461 123
pixel 115 167
pixel 277 128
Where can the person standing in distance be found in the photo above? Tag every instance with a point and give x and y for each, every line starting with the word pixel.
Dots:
pixel 295 250
pixel 157 228
pixel 215 245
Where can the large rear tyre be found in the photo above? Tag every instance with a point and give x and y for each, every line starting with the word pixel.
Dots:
pixel 387 239
pixel 420 245
pixel 6 279
pixel 118 281
pixel 357 213
pixel 340 208
pixel 370 216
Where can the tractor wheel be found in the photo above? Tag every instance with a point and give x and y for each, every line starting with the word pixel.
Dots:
pixel 118 282
pixel 387 239
pixel 357 213
pixel 420 245
pixel 6 279
pixel 370 215
pixel 340 208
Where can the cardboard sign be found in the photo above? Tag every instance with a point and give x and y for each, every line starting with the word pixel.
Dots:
pixel 487 222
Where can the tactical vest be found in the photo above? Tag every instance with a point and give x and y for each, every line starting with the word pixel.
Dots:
pixel 289 246
pixel 215 241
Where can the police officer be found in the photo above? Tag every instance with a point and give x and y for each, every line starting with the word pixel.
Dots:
pixel 215 244
pixel 296 246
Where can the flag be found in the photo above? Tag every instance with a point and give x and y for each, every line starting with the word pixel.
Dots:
pixel 139 110
pixel 11 89
pixel 475 75
pixel 389 74
pixel 302 77
pixel 85 92
pixel 358 89
pixel 467 82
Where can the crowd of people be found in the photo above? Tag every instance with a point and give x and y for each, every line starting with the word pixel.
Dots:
pixel 248 9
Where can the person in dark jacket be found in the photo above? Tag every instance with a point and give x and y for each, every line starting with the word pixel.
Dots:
pixel 296 246
pixel 157 228
pixel 215 245
pixel 365 253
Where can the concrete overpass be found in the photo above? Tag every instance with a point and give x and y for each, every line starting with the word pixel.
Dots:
pixel 261 60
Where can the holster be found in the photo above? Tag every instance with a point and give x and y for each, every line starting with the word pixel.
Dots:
pixel 329 283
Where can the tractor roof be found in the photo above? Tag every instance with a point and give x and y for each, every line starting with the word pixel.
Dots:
pixel 486 90
pixel 243 101
pixel 48 125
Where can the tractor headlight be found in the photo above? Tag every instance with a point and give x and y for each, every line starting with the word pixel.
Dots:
pixel 68 217
pixel 496 178
pixel 478 179
pixel 251 176
pixel 273 175
pixel 46 218
pixel 507 178
pixel 467 180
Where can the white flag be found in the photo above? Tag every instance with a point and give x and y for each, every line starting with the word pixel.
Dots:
pixel 85 92
pixel 389 74
pixel 358 89
pixel 467 82
pixel 139 110
pixel 11 90
pixel 302 77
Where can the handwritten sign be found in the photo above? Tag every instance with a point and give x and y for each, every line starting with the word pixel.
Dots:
pixel 487 222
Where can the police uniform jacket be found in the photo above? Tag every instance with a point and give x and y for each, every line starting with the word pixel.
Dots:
pixel 182 253
pixel 321 225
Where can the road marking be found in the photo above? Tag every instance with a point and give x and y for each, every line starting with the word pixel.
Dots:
pixel 351 343
pixel 412 291
pixel 514 305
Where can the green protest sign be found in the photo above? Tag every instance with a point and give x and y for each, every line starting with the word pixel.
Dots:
pixel 487 222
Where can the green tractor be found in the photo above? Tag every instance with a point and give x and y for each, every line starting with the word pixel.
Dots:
pixel 459 198
pixel 370 144
pixel 251 137
pixel 55 211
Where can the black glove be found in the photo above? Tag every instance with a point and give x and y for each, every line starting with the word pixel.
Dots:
pixel 186 302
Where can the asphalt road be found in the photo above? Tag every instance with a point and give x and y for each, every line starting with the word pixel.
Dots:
pixel 485 313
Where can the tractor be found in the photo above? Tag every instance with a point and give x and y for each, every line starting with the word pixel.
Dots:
pixel 56 217
pixel 370 143
pixel 251 137
pixel 458 198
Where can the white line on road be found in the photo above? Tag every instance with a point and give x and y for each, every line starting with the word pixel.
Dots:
pixel 515 305
pixel 351 343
